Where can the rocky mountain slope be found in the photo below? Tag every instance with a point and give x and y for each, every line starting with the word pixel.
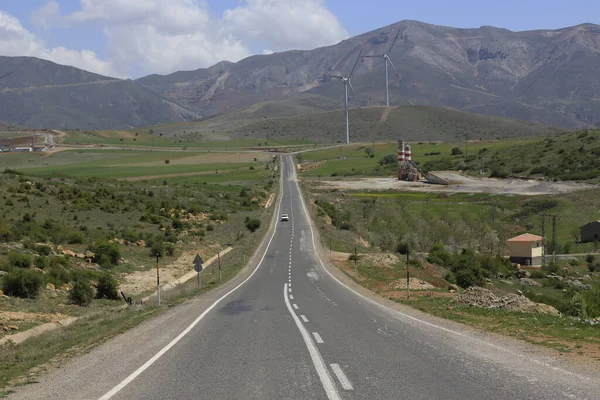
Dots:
pixel 42 94
pixel 546 75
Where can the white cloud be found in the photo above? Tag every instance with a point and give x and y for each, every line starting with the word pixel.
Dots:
pixel 18 41
pixel 286 24
pixel 161 36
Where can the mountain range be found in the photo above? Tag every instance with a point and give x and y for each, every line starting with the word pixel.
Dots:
pixel 550 76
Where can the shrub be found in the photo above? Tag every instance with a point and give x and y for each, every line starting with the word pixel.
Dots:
pixel 58 275
pixel 252 224
pixel 389 159
pixel 107 288
pixel 346 226
pixel 167 161
pixel 22 283
pixel 439 255
pixel 170 249
pixel 104 261
pixel 456 151
pixel 590 258
pixel 498 172
pixel 76 238
pixel 82 292
pixel 157 247
pixel 43 250
pixel 42 262
pixel 19 260
pixel 111 250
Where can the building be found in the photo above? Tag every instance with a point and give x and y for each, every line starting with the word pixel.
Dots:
pixel 590 232
pixel 526 249
pixel 22 149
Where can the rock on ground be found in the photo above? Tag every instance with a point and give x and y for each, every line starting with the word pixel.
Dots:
pixel 480 297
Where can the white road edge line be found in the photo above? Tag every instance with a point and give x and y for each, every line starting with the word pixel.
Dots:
pixel 304 318
pixel 404 315
pixel 173 342
pixel 337 370
pixel 315 355
pixel 318 337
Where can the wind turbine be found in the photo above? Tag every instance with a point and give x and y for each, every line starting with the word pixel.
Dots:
pixel 387 59
pixel 346 81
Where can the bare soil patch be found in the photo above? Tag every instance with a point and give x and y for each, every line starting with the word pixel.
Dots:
pixel 462 184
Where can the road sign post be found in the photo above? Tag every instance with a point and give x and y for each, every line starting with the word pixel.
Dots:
pixel 407 276
pixel 198 266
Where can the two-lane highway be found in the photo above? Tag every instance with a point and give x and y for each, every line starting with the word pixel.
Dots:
pixel 292 330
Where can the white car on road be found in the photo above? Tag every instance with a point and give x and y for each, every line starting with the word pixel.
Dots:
pixel 285 217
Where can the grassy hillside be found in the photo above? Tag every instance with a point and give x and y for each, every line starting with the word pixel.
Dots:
pixel 366 124
pixel 574 156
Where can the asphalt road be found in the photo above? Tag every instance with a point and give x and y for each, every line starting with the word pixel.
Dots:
pixel 291 329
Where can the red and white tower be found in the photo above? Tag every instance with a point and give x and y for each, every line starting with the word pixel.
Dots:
pixel 407 152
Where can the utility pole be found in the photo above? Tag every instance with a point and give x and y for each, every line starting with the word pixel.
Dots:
pixel 157 280
pixel 373 149
pixel 543 240
pixel 407 275
pixel 554 239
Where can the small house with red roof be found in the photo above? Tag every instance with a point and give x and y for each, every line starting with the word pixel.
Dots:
pixel 526 249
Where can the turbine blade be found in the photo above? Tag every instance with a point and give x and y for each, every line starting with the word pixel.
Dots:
pixel 354 94
pixel 334 76
pixel 372 56
pixel 395 70
pixel 355 64
pixel 5 75
pixel 394 42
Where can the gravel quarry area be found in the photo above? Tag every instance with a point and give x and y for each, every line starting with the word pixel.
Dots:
pixel 462 184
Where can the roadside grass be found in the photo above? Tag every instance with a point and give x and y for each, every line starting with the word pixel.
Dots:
pixel 560 333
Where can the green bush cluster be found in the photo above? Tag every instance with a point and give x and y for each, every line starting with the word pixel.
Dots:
pixel 23 283
pixel 468 268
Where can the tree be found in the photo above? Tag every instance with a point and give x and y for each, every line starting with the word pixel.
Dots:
pixel 252 224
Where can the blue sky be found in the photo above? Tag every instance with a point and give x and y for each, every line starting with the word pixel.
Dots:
pixel 233 29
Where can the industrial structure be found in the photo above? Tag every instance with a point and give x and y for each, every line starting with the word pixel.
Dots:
pixel 407 169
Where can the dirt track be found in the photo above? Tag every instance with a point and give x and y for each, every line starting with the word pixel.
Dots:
pixel 463 184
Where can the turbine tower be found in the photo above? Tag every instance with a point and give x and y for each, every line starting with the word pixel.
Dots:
pixel 387 60
pixel 346 81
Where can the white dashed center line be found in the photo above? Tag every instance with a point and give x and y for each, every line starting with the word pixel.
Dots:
pixel 318 337
pixel 304 318
pixel 295 306
pixel 337 370
pixel 291 297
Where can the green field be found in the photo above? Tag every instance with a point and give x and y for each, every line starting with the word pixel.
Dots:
pixel 174 135
pixel 122 164
pixel 352 160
